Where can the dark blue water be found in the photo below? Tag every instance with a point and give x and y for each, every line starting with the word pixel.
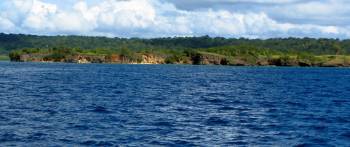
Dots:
pixel 166 105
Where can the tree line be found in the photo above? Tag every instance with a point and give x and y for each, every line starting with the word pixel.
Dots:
pixel 321 46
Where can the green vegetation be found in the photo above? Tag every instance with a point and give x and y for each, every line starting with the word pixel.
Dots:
pixel 9 42
pixel 180 50
pixel 4 58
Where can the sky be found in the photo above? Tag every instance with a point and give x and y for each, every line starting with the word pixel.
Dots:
pixel 169 18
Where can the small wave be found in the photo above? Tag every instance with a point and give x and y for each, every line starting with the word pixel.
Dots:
pixel 319 140
pixel 340 101
pixel 8 137
pixel 303 145
pixel 213 121
pixel 213 100
pixel 272 110
pixel 2 118
pixel 89 142
pixel 181 109
pixel 346 135
pixel 118 92
pixel 80 127
pixel 98 143
pixel 106 143
pixel 183 143
pixel 314 142
pixel 236 143
pixel 267 83
pixel 255 127
pixel 226 108
pixel 163 124
pixel 160 143
pixel 100 109
pixel 37 136
pixel 319 127
pixel 64 140
pixel 340 119
pixel 296 104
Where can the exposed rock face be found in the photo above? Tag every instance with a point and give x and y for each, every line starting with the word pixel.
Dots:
pixel 200 58
pixel 85 59
pixel 152 59
pixel 239 62
pixel 335 64
pixel 114 58
pixel 205 59
pixel 216 59
pixel 283 62
pixel 208 59
pixel 31 58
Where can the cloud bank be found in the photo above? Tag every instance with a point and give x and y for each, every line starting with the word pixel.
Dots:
pixel 160 18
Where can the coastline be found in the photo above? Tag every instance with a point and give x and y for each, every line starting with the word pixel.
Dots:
pixel 197 57
pixel 272 66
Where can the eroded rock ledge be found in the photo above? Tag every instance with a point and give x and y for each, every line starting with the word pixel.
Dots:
pixel 197 59
pixel 81 58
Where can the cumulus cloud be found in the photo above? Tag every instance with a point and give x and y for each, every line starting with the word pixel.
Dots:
pixel 159 18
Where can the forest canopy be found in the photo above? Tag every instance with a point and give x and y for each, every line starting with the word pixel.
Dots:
pixel 322 46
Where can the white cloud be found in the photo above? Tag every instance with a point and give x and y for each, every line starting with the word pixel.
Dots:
pixel 6 25
pixel 155 18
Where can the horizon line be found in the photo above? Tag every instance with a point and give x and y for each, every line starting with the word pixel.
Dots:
pixel 172 37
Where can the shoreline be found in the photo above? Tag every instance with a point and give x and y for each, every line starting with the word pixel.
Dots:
pixel 191 58
pixel 272 66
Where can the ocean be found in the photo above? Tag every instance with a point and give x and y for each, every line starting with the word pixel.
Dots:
pixel 60 104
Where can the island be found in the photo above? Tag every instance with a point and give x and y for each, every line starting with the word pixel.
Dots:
pixel 203 50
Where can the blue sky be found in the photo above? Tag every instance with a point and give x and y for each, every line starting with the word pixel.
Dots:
pixel 164 18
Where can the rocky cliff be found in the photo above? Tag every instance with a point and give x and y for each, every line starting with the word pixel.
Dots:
pixel 199 58
pixel 81 58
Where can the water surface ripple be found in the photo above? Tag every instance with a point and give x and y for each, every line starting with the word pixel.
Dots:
pixel 168 105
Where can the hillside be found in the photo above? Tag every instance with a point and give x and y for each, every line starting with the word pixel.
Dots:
pixel 9 42
pixel 179 50
pixel 223 55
